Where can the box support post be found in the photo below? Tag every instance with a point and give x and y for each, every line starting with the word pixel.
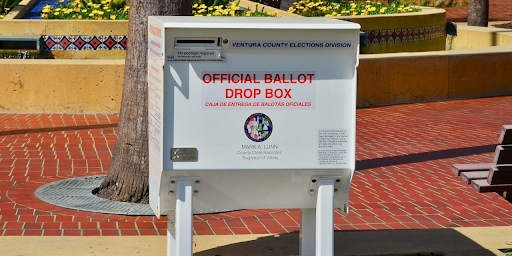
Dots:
pixel 307 232
pixel 171 233
pixel 317 224
pixel 182 244
pixel 325 218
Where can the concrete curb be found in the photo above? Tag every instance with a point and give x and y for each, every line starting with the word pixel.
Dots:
pixel 450 241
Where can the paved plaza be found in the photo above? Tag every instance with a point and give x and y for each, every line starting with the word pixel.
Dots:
pixel 403 179
pixel 404 200
pixel 499 10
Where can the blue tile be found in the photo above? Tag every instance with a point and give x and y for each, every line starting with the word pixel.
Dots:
pixel 86 42
pixel 35 12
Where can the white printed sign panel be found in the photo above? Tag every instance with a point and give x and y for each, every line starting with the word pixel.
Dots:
pixel 292 45
pixel 258 90
pixel 155 108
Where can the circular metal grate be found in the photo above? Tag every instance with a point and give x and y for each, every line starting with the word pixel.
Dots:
pixel 76 193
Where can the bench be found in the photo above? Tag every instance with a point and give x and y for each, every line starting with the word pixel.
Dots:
pixel 491 177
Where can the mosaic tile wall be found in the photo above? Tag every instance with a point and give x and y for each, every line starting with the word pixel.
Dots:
pixel 70 43
pixel 61 43
pixel 404 35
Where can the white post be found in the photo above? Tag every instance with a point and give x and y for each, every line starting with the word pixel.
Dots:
pixel 307 232
pixel 325 218
pixel 171 233
pixel 184 218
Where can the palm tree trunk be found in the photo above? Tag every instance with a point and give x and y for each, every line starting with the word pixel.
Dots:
pixel 478 13
pixel 127 178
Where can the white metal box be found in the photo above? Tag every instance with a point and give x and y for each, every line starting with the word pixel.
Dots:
pixel 253 107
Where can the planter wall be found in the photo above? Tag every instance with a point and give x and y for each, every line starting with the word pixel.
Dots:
pixel 85 39
pixel 407 32
pixel 74 39
pixel 61 86
pixel 387 79
pixel 471 37
pixel 95 86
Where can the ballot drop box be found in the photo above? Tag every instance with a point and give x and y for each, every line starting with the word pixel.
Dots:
pixel 251 113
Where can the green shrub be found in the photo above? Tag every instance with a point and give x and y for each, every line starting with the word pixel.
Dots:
pixel 118 10
pixel 6 6
pixel 211 2
pixel 273 3
pixel 88 9
pixel 436 3
pixel 229 10
pixel 312 8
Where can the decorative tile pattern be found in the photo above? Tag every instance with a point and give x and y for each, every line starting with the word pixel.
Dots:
pixel 74 43
pixel 77 43
pixel 404 35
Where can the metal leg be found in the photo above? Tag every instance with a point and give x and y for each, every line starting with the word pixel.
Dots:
pixel 307 232
pixel 184 218
pixel 325 218
pixel 171 233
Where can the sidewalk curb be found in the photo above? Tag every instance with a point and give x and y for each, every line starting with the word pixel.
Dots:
pixel 450 241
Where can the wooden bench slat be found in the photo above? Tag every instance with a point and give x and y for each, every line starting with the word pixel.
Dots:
pixel 503 154
pixel 500 175
pixel 467 177
pixel 506 135
pixel 458 168
pixel 482 186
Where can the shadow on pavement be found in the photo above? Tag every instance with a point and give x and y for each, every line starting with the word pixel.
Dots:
pixel 423 157
pixel 58 129
pixel 431 242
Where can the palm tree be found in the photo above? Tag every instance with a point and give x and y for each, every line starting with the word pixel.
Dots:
pixel 478 13
pixel 127 178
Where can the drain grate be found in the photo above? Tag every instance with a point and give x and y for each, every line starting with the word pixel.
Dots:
pixel 76 193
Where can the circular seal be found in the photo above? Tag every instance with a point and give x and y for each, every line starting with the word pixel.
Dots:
pixel 258 127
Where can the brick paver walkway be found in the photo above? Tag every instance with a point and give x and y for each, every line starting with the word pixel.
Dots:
pixel 403 181
pixel 499 10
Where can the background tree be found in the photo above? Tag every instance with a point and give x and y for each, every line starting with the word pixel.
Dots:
pixel 478 13
pixel 127 178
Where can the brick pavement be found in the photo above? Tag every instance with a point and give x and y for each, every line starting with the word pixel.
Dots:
pixel 404 153
pixel 499 10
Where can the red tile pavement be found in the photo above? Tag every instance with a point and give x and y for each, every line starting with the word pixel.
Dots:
pixel 499 10
pixel 403 181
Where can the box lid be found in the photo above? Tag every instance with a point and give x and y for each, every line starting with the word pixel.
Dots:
pixel 254 22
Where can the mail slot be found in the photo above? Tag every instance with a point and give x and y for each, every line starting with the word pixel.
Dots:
pixel 197 48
